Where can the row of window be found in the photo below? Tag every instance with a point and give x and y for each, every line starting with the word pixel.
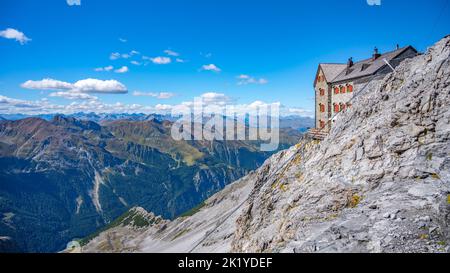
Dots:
pixel 338 90
pixel 343 89
pixel 320 78
pixel 337 107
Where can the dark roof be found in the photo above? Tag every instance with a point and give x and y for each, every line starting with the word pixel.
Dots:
pixel 338 72
pixel 368 67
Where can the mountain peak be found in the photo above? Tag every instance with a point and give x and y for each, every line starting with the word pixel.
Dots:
pixel 62 120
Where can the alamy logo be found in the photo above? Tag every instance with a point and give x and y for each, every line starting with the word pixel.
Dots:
pixel 199 121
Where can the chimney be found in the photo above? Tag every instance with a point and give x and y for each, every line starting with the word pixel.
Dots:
pixel 398 47
pixel 350 62
pixel 376 54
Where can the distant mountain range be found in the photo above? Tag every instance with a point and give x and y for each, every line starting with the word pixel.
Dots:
pixel 295 122
pixel 63 177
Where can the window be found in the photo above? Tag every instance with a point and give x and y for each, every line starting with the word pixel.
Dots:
pixel 336 90
pixel 322 91
pixel 336 107
pixel 349 88
pixel 342 89
pixel 322 124
pixel 342 106
pixel 321 108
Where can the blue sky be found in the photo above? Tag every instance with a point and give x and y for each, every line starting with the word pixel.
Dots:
pixel 274 46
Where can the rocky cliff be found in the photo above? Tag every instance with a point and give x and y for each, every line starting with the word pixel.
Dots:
pixel 380 182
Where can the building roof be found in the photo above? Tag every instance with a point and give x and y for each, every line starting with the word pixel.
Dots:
pixel 338 72
pixel 369 66
pixel 331 71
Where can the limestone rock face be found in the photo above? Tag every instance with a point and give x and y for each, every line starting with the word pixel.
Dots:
pixel 380 182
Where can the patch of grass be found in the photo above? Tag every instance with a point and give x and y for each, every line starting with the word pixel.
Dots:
pixel 448 199
pixel 181 233
pixel 423 236
pixel 354 201
pixel 127 218
pixel 429 156
pixel 435 176
pixel 283 187
pixel 194 210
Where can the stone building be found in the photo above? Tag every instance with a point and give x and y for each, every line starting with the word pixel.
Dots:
pixel 336 84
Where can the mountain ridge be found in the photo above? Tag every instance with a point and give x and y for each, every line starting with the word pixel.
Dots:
pixel 65 178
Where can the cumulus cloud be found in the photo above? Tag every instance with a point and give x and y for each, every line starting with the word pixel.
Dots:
pixel 46 84
pixel 72 95
pixel 81 86
pixel 179 60
pixel 86 104
pixel 246 79
pixel 99 86
pixel 211 67
pixel 73 2
pixel 123 69
pixel 11 33
pixel 135 62
pixel 158 60
pixel 106 68
pixel 160 95
pixel 216 98
pixel 171 53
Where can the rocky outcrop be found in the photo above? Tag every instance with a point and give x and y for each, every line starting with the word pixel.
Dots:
pixel 380 182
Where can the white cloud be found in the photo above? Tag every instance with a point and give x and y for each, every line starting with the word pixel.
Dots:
pixel 216 98
pixel 178 60
pixel 160 95
pixel 84 104
pixel 163 107
pixel 73 2
pixel 206 55
pixel 123 40
pixel 11 33
pixel 135 62
pixel 46 84
pixel 117 55
pixel 171 53
pixel 114 56
pixel 211 67
pixel 246 79
pixel 99 86
pixel 72 95
pixel 159 60
pixel 123 69
pixel 106 68
pixel 83 86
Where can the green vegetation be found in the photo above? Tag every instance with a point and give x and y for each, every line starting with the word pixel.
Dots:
pixel 354 201
pixel 181 233
pixel 131 217
pixel 194 210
